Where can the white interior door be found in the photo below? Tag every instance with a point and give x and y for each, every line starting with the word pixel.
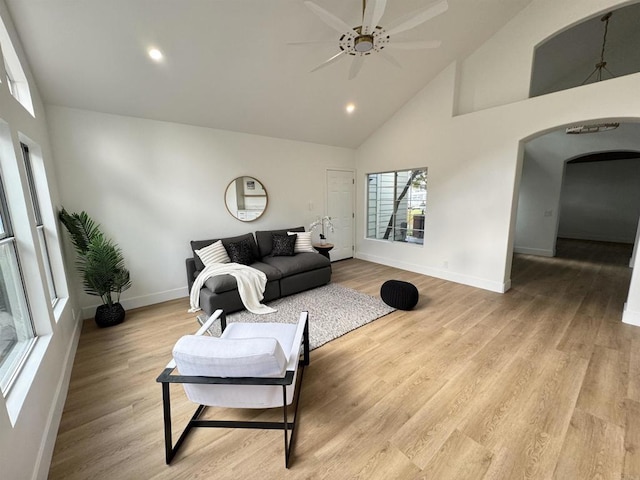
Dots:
pixel 340 207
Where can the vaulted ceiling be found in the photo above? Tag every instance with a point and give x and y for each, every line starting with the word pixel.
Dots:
pixel 229 64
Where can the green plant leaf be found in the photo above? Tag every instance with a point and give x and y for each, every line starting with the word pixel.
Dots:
pixel 81 228
pixel 99 260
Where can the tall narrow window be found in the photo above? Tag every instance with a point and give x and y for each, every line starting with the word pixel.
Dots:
pixel 11 83
pixel 396 205
pixel 17 334
pixel 15 77
pixel 42 240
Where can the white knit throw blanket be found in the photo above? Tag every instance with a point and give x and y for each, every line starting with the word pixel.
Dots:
pixel 251 283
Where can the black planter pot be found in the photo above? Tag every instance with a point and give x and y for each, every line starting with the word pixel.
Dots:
pixel 107 316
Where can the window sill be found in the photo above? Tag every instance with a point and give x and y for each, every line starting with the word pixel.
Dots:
pixel 22 384
pixel 394 242
pixel 58 308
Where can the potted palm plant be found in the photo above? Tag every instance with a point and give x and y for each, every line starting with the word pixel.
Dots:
pixel 101 264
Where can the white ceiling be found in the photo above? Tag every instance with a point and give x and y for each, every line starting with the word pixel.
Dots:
pixel 228 64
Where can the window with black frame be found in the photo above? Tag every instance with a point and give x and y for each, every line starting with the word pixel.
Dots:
pixel 396 205
pixel 42 240
pixel 17 334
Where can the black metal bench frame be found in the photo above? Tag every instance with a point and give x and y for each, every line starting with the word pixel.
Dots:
pixel 167 377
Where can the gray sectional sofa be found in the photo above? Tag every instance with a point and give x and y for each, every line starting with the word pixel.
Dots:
pixel 286 275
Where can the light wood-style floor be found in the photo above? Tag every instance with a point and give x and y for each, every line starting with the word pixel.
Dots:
pixel 542 382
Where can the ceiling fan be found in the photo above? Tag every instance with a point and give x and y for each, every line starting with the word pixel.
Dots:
pixel 369 37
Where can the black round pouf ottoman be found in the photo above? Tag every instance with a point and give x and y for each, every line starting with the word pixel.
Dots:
pixel 399 294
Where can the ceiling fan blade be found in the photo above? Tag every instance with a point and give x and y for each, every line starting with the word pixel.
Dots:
pixel 336 57
pixel 356 65
pixel 415 45
pixel 372 15
pixel 416 18
pixel 390 59
pixel 328 18
pixel 313 42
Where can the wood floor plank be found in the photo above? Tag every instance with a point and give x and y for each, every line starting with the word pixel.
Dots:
pixel 633 388
pixel 470 318
pixel 604 440
pixel 580 335
pixel 344 452
pixel 500 403
pixel 631 469
pixel 532 434
pixel 460 458
pixel 386 463
pixel 605 385
pixel 424 433
pixel 469 384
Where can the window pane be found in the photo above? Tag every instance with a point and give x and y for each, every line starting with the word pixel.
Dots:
pixel 16 330
pixel 42 241
pixel 53 296
pixel 396 205
pixel 416 207
pixel 5 224
pixel 32 184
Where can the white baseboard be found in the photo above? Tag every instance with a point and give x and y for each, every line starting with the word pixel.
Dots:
pixel 142 301
pixel 499 287
pixel 541 252
pixel 630 317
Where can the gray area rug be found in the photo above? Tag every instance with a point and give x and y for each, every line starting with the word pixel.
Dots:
pixel 333 311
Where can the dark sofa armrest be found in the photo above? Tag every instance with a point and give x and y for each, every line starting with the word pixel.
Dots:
pixel 191 270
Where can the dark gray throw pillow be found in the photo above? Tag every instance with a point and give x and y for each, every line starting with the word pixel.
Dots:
pixel 283 245
pixel 241 252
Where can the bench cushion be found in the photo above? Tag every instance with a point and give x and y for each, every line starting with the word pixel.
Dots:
pixel 224 283
pixel 300 262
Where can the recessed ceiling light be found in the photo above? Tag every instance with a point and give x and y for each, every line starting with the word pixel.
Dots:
pixel 350 108
pixel 155 54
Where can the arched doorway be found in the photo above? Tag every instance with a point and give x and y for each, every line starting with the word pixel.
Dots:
pixel 543 168
pixel 539 191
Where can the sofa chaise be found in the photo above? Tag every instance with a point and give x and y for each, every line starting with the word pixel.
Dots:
pixel 286 274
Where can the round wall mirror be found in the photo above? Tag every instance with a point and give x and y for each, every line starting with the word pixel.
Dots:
pixel 246 199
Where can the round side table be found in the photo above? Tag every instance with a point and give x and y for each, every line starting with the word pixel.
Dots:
pixel 323 249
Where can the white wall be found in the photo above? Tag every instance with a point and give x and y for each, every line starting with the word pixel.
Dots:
pixel 543 167
pixel 30 413
pixel 154 186
pixel 601 201
pixel 473 159
pixel 499 72
pixel 539 204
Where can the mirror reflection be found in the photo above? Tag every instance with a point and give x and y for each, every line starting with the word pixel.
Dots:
pixel 246 199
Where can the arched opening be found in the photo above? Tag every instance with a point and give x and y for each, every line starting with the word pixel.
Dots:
pixel 544 164
pixel 598 49
pixel 605 173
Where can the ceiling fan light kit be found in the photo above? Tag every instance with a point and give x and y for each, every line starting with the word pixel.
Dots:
pixel 370 37
pixel 593 128
pixel 354 43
